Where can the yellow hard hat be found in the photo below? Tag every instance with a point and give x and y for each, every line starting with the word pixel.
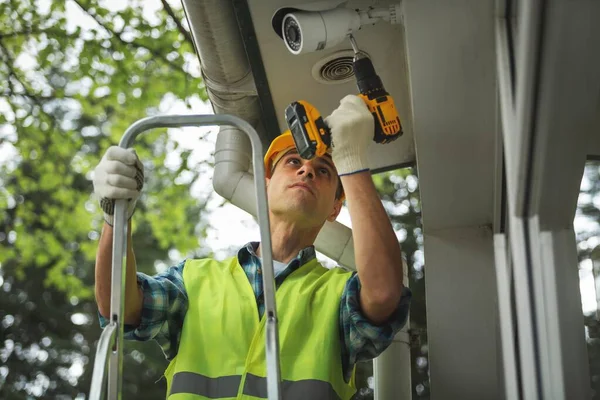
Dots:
pixel 278 148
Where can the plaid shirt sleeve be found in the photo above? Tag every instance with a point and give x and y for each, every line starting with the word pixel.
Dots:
pixel 362 340
pixel 164 307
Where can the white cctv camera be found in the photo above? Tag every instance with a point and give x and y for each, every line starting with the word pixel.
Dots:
pixel 308 31
pixel 323 24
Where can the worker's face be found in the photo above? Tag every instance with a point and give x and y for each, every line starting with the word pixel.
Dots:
pixel 304 190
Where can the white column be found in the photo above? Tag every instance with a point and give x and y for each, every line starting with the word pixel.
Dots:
pixel 451 59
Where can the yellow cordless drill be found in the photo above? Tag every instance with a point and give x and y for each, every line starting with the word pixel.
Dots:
pixel 312 136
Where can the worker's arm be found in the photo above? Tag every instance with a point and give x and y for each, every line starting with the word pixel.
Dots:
pixel 119 175
pixel 377 252
pixel 133 294
pixel 155 306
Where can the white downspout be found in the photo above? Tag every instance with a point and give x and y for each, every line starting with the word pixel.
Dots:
pixel 231 90
pixel 391 369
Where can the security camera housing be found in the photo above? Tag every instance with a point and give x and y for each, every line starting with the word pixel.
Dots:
pixel 306 31
pixel 322 5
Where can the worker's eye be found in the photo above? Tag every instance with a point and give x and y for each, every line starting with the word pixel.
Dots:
pixel 293 160
pixel 324 171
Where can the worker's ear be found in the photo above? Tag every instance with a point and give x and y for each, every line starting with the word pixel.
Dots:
pixel 337 207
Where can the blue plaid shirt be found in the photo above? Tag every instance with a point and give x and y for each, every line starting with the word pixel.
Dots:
pixel 165 304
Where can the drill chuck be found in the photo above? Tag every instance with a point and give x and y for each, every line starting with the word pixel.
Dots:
pixel 367 80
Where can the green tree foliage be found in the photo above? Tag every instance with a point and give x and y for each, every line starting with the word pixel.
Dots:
pixel 400 195
pixel 588 209
pixel 73 76
pixel 399 191
pixel 588 248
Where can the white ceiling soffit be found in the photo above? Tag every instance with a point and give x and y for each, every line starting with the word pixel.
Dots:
pixel 290 77
pixel 451 56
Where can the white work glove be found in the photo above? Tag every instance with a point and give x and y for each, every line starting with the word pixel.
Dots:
pixel 119 175
pixel 352 129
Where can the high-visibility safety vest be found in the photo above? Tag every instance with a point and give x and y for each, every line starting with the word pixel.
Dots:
pixel 222 347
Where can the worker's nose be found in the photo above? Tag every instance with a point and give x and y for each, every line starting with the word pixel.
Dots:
pixel 307 170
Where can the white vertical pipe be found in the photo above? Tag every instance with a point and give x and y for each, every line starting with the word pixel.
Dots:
pixel 391 369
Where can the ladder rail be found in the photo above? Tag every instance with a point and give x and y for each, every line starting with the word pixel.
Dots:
pixel 117 299
pixel 117 306
pixel 99 376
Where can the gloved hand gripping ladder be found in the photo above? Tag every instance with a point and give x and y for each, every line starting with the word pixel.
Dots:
pixel 109 354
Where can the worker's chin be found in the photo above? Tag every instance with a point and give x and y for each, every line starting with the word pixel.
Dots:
pixel 303 203
pixel 299 209
pixel 295 209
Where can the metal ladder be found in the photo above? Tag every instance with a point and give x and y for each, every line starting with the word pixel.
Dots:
pixel 108 364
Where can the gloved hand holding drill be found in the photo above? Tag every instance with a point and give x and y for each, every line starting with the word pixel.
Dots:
pixel 119 175
pixel 352 127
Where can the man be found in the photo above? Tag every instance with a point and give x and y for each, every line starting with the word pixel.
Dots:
pixel 209 320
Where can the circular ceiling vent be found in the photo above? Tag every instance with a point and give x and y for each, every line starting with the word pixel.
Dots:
pixel 335 68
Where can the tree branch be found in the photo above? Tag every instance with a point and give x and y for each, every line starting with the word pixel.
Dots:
pixel 19 33
pixel 121 40
pixel 35 98
pixel 40 98
pixel 12 73
pixel 182 30
pixel 33 31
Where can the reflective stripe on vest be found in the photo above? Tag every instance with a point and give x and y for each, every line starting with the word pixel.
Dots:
pixel 227 386
pixel 213 388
